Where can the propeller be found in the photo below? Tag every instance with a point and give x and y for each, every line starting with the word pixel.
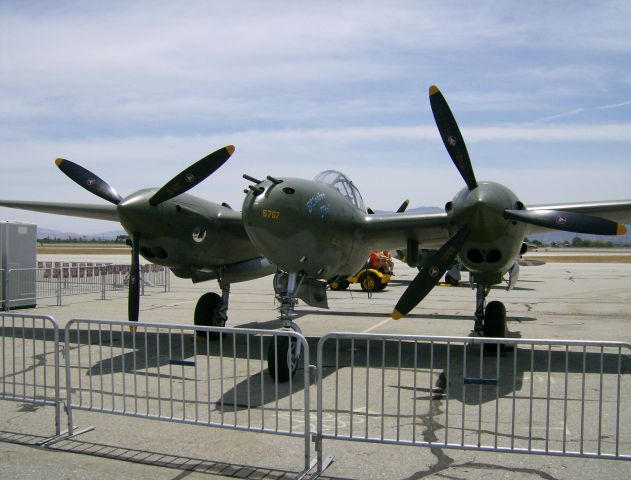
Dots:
pixel 434 266
pixel 567 221
pixel 401 209
pixel 192 175
pixel 431 270
pixel 179 184
pixel 88 180
pixel 452 138
pixel 403 206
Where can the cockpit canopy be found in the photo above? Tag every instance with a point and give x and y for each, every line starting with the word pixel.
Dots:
pixel 340 182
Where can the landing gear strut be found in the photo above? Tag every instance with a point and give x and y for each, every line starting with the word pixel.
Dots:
pixel 284 352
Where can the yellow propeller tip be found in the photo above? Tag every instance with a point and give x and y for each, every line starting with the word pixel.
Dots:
pixel 58 161
pixel 433 89
pixel 396 315
pixel 230 149
pixel 621 230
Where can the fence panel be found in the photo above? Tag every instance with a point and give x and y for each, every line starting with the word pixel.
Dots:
pixel 521 396
pixel 61 279
pixel 179 373
pixel 30 361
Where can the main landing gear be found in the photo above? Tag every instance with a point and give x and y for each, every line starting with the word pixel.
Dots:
pixel 212 311
pixel 490 320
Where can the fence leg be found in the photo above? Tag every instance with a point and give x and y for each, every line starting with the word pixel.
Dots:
pixel 59 287
pixel 5 290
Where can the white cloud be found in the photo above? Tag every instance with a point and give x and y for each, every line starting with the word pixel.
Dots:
pixel 138 90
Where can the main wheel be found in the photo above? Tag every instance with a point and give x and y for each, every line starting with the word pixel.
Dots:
pixel 451 280
pixel 210 311
pixel 379 287
pixel 370 282
pixel 338 285
pixel 282 358
pixel 494 324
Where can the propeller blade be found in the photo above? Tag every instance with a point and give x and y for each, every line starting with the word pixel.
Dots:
pixel 567 221
pixel 192 175
pixel 433 268
pixel 133 300
pixel 403 206
pixel 452 138
pixel 88 180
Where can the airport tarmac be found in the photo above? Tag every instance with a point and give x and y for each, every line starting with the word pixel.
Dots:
pixel 553 301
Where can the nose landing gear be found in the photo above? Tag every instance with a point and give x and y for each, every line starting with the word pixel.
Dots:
pixel 284 351
pixel 490 320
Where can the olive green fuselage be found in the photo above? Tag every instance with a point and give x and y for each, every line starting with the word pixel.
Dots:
pixel 304 226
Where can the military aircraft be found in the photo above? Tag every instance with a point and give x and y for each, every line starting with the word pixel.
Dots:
pixel 195 238
pixel 313 231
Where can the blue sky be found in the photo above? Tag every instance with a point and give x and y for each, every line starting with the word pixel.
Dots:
pixel 136 91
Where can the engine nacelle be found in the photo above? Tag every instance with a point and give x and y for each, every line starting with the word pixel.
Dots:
pixel 494 244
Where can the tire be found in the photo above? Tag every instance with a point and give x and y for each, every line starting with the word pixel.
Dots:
pixel 370 282
pixel 338 285
pixel 279 349
pixel 379 287
pixel 494 324
pixel 210 311
pixel 451 280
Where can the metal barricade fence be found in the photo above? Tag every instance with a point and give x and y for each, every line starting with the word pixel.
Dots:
pixel 3 289
pixel 567 398
pixel 176 373
pixel 30 361
pixel 61 279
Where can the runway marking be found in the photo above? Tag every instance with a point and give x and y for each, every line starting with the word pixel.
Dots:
pixel 383 322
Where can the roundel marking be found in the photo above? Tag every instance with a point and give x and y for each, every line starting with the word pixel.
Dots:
pixel 434 271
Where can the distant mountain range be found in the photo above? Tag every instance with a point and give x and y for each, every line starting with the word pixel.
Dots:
pixel 59 235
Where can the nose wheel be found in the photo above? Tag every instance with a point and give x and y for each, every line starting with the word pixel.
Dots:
pixel 283 357
pixel 490 320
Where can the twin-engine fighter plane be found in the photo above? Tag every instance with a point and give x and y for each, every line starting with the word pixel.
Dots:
pixel 314 231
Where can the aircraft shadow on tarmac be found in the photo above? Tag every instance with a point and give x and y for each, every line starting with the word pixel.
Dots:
pixel 155 350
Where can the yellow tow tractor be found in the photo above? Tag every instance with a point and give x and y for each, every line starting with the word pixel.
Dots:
pixel 370 277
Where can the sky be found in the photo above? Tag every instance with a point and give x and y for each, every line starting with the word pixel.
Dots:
pixel 135 91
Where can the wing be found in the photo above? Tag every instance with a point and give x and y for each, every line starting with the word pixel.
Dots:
pixel 616 211
pixel 99 212
pixel 392 230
